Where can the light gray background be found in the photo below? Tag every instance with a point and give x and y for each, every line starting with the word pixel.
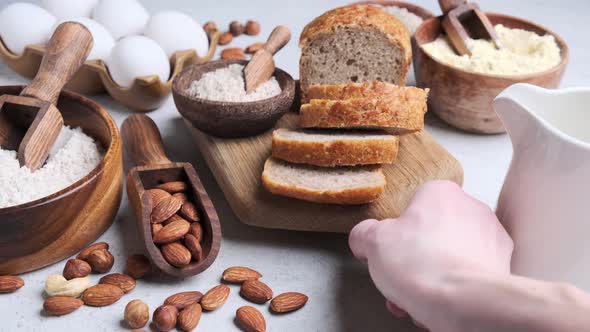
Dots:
pixel 342 296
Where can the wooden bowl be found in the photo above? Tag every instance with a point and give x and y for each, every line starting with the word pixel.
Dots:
pixel 147 93
pixel 464 99
pixel 47 230
pixel 231 119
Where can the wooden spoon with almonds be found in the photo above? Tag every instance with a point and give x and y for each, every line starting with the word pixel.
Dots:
pixel 170 194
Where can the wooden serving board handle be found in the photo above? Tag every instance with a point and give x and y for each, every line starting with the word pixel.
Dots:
pixel 66 52
pixel 447 5
pixel 143 141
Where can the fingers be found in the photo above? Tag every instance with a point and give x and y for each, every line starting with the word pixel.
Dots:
pixel 362 237
pixel 395 310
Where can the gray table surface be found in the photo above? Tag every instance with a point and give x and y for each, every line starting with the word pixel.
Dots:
pixel 342 296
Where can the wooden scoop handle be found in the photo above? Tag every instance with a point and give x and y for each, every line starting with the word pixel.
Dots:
pixel 279 37
pixel 447 5
pixel 65 53
pixel 143 141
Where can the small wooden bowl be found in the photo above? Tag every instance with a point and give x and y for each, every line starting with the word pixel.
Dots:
pixel 146 94
pixel 464 99
pixel 231 119
pixel 47 230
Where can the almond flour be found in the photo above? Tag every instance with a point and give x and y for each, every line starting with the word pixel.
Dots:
pixel 72 157
pixel 227 84
pixel 524 52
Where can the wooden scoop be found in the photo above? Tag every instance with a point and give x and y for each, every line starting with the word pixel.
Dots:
pixel 463 21
pixel 262 66
pixel 144 145
pixel 31 122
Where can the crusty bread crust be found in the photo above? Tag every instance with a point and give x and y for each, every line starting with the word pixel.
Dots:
pixel 337 152
pixel 401 115
pixel 357 16
pixel 354 196
pixel 375 89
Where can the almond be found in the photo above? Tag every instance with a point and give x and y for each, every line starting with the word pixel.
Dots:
pixel 288 302
pixel 138 266
pixel 173 218
pixel 252 28
pixel 196 230
pixel 100 260
pixel 157 195
pixel 194 246
pixel 165 209
pixel 123 281
pixel 254 48
pixel 215 297
pixel 172 232
pixel 76 268
pixel 189 317
pixel 183 299
pixel 239 274
pixel 236 28
pixel 189 212
pixel 176 254
pixel 256 291
pixel 61 305
pixel 84 253
pixel 233 53
pixel 165 317
pixel 10 284
pixel 137 314
pixel 101 295
pixel 173 187
pixel 250 319
pixel 156 228
pixel 181 196
pixel 225 38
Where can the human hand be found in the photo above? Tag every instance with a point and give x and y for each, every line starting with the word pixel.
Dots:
pixel 442 232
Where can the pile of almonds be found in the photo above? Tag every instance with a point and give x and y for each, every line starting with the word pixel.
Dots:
pixel 70 290
pixel 251 28
pixel 176 229
pixel 184 310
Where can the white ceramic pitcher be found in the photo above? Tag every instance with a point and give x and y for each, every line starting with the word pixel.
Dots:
pixel 545 201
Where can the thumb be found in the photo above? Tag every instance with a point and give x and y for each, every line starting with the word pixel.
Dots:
pixel 362 237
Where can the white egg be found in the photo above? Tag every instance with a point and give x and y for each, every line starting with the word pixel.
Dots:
pixel 135 56
pixel 176 31
pixel 121 17
pixel 66 9
pixel 23 24
pixel 103 41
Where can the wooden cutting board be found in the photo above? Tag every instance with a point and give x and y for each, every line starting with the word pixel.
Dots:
pixel 237 166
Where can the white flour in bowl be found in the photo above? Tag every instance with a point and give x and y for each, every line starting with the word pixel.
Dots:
pixel 72 157
pixel 524 52
pixel 227 84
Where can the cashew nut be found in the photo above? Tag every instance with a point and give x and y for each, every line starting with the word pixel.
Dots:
pixel 57 285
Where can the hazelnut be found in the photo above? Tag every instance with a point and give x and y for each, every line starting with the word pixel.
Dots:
pixel 137 314
pixel 210 27
pixel 165 317
pixel 76 268
pixel 98 245
pixel 236 28
pixel 252 28
pixel 101 260
pixel 138 266
pixel 225 38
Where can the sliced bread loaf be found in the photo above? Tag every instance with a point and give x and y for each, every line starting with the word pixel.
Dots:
pixel 357 43
pixel 397 115
pixel 334 148
pixel 374 89
pixel 341 185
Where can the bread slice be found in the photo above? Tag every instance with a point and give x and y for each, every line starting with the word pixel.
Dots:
pixel 374 89
pixel 356 43
pixel 334 148
pixel 401 115
pixel 341 185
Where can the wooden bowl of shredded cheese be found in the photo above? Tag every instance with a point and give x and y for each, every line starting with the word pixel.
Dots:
pixel 50 228
pixel 462 88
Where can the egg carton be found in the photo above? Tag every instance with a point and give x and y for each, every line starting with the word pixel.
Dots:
pixel 145 94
